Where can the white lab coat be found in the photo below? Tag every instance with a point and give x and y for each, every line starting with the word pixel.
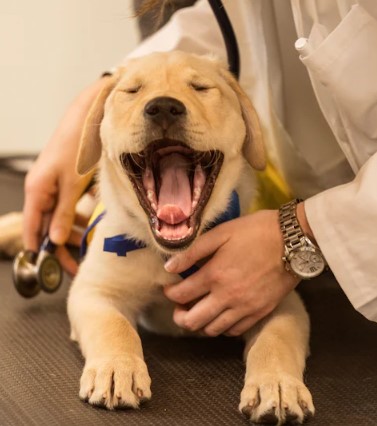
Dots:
pixel 324 141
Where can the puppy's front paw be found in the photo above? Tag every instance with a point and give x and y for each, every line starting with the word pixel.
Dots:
pixel 276 399
pixel 115 382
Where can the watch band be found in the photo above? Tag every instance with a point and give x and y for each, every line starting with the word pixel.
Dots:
pixel 293 234
pixel 301 256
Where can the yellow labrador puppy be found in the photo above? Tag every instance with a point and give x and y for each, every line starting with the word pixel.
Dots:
pixel 174 136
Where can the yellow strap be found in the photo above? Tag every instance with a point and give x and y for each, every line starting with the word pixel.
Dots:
pixel 97 211
pixel 273 190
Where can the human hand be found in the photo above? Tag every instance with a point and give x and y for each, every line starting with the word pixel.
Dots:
pixel 243 281
pixel 52 187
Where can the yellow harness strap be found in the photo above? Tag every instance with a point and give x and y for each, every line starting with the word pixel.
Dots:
pixel 100 208
pixel 273 190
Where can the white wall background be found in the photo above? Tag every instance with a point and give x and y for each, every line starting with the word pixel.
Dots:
pixel 49 51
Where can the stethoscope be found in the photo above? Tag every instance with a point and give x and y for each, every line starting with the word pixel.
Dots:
pixel 229 36
pixel 33 272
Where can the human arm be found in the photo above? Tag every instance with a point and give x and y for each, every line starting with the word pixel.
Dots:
pixel 342 220
pixel 52 187
pixel 350 211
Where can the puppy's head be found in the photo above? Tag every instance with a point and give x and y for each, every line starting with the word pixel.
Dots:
pixel 177 127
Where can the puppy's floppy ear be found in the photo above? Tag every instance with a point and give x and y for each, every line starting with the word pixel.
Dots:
pixel 253 148
pixel 90 144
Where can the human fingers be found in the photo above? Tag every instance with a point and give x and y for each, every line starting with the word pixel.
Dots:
pixel 63 215
pixel 189 289
pixel 68 263
pixel 244 324
pixel 81 220
pixel 75 238
pixel 201 314
pixel 223 322
pixel 179 314
pixel 204 246
pixel 37 204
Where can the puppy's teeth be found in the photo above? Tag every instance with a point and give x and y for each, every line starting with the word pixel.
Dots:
pixel 152 198
pixel 155 222
pixel 196 195
pixel 148 180
pixel 199 177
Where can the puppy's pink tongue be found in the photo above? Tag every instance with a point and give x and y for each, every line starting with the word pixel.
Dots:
pixel 174 199
pixel 171 214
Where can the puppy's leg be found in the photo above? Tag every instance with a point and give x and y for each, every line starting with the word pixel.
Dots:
pixel 115 374
pixel 274 391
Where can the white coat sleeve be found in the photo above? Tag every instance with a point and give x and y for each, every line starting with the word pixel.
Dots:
pixel 192 29
pixel 344 223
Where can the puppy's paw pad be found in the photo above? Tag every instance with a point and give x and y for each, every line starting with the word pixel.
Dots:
pixel 270 417
pixel 115 382
pixel 280 399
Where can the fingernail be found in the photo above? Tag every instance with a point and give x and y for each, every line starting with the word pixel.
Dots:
pixel 58 235
pixel 171 264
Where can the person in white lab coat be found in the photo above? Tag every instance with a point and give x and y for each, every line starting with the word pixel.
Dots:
pixel 310 69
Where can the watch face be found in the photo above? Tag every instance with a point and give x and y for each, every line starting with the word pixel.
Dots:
pixel 307 263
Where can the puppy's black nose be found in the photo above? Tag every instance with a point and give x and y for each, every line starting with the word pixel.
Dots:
pixel 164 110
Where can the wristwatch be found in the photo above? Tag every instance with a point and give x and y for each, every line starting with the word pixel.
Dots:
pixel 301 256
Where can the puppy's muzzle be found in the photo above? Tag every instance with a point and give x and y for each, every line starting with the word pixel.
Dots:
pixel 173 183
pixel 164 111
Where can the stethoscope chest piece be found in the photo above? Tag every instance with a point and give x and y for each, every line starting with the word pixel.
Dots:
pixel 33 272
pixel 50 273
pixel 24 274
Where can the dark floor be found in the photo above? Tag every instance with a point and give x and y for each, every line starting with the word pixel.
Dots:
pixel 195 381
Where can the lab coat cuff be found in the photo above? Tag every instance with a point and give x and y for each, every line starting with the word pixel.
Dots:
pixel 333 233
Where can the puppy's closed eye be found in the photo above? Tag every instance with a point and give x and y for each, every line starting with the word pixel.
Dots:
pixel 132 89
pixel 201 87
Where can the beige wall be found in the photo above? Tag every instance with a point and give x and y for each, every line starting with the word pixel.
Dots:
pixel 49 50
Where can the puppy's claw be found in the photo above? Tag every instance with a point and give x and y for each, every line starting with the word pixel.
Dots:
pixel 246 411
pixel 109 382
pixel 269 417
pixel 275 400
pixel 292 418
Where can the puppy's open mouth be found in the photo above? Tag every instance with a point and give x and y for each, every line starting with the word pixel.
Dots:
pixel 173 184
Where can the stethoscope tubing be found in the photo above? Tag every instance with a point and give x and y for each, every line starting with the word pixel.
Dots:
pixel 229 36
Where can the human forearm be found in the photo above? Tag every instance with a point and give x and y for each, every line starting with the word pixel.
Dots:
pixel 344 220
pixel 303 221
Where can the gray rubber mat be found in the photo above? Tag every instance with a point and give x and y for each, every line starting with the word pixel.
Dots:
pixel 194 381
